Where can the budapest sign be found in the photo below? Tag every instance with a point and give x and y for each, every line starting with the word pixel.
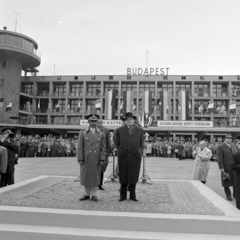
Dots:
pixel 147 71
pixel 185 124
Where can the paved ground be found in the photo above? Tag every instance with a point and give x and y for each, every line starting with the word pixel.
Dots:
pixel 157 168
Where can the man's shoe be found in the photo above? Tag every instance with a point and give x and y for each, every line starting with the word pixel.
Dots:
pixel 121 199
pixel 100 188
pixel 134 199
pixel 94 198
pixel 84 198
pixel 229 198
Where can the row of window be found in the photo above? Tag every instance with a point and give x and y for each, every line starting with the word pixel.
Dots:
pixel 17 41
pixel 94 89
pixel 76 106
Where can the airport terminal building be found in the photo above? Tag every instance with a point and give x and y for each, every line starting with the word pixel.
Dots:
pixel 56 104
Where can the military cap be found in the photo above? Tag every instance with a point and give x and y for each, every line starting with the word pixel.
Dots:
pixel 229 135
pixel 92 117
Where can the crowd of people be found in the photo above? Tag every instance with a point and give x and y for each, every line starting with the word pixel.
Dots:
pixel 179 149
pixel 47 146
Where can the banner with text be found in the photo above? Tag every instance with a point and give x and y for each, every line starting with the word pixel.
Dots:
pixel 106 123
pixel 185 124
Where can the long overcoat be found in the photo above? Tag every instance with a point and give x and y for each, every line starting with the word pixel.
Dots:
pixel 180 149
pixel 201 166
pixel 108 148
pixel 130 151
pixel 224 158
pixel 91 150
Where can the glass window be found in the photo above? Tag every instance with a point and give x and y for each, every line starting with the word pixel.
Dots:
pixel 93 89
pixel 235 91
pixel 43 89
pixel 27 88
pixel 129 87
pixel 147 87
pixel 220 107
pixel 197 106
pixel 13 40
pixel 61 105
pixel 186 87
pixel 90 106
pixel 59 89
pixel 109 86
pixel 201 90
pixel 165 87
pixel 76 89
pixel 73 104
pixel 220 90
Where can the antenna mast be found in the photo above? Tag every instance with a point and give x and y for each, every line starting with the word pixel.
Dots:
pixel 16 20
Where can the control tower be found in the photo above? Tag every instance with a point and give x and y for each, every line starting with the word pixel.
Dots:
pixel 17 53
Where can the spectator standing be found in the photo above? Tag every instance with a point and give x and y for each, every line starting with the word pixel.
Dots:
pixel 202 157
pixel 224 158
pixel 236 167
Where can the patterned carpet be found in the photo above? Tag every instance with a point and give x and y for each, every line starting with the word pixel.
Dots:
pixel 173 197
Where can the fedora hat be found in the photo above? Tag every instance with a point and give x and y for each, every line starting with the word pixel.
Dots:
pixel 228 135
pixel 128 115
pixel 92 117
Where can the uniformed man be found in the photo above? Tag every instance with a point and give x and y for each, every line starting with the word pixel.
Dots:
pixel 91 153
pixel 108 150
pixel 129 143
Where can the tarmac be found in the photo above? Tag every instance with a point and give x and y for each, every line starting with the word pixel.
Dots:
pixel 156 168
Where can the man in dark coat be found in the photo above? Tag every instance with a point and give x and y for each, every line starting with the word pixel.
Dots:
pixel 180 150
pixel 91 154
pixel 13 154
pixel 236 167
pixel 224 158
pixel 129 143
pixel 108 150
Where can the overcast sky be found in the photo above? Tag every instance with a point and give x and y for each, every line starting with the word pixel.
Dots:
pixel 190 37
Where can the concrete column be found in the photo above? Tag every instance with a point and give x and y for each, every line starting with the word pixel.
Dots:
pixel 101 98
pixel 67 89
pixel 84 97
pixel 119 98
pixel 35 88
pixel 168 134
pixel 138 84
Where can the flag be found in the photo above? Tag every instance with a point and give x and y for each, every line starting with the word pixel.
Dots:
pixel 183 105
pixel 155 110
pixel 134 105
pixel 49 104
pixel 9 107
pixel 38 103
pixel 98 104
pixel 58 106
pixel 233 107
pixel 68 106
pixel 127 101
pixel 210 107
pixel 1 102
pixel 223 109
pixel 200 108
pixel 79 105
pixel 147 102
pixel 28 107
pixel 111 104
pixel 165 104
pixel 121 105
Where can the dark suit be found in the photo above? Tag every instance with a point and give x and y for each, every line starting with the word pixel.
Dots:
pixel 130 150
pixel 236 166
pixel 108 150
pixel 224 158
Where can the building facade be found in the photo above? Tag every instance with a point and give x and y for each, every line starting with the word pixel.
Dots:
pixel 56 104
